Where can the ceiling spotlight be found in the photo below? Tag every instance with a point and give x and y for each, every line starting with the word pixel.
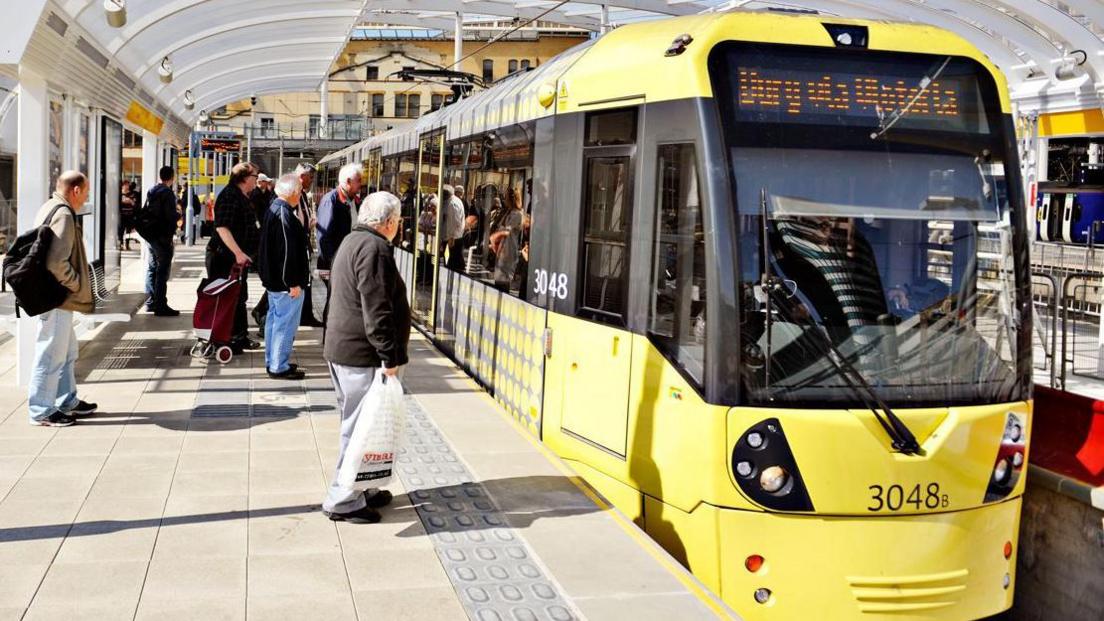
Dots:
pixel 165 70
pixel 115 10
pixel 203 116
pixel 189 100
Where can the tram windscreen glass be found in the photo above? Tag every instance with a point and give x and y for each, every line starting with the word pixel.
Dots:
pixel 877 230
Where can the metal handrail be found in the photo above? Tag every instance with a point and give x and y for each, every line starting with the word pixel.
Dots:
pixel 1066 279
pixel 1053 325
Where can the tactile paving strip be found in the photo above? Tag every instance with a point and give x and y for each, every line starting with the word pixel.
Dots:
pixel 495 573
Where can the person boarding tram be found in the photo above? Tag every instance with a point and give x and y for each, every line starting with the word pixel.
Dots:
pixel 337 211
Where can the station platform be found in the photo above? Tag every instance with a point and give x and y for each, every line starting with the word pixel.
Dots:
pixel 194 494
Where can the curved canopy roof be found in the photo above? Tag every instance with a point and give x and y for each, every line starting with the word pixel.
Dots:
pixel 226 50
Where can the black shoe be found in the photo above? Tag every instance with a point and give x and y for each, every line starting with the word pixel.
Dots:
pixel 378 500
pixel 367 515
pixel 82 408
pixel 290 374
pixel 57 419
pixel 310 322
pixel 244 343
pixel 166 312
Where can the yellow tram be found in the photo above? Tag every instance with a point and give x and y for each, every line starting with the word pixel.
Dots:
pixel 762 280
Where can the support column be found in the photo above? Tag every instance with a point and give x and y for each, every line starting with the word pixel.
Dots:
pixel 32 179
pixel 325 112
pixel 605 20
pixel 458 41
pixel 151 159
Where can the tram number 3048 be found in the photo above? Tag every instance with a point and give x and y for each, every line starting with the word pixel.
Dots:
pixel 553 284
pixel 896 497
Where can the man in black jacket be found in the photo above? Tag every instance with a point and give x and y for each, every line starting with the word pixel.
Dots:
pixel 284 270
pixel 367 332
pixel 336 214
pixel 157 225
pixel 235 243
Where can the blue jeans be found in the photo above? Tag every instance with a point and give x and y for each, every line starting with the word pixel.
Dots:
pixel 53 386
pixel 157 273
pixel 280 325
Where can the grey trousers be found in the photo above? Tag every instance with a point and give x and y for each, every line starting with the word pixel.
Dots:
pixel 350 383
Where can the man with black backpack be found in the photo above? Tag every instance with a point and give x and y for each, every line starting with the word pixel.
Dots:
pixel 156 223
pixel 53 398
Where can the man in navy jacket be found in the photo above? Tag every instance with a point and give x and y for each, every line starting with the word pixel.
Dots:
pixel 336 215
pixel 159 228
pixel 285 272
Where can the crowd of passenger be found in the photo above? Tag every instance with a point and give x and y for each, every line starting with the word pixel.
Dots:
pixel 260 224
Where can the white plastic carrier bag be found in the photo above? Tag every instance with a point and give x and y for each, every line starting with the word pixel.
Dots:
pixel 370 456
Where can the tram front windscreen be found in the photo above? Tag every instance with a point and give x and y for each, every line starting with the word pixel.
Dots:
pixel 877 255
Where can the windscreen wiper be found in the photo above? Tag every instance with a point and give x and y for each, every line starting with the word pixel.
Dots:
pixel 900 436
pixel 887 122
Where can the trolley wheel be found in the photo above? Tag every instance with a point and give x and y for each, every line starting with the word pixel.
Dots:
pixel 224 354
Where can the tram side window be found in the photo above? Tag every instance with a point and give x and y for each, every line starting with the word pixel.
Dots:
pixel 607 212
pixel 677 313
pixel 493 176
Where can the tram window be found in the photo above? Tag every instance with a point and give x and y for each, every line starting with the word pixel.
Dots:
pixel 607 212
pixel 615 127
pixel 488 71
pixel 677 313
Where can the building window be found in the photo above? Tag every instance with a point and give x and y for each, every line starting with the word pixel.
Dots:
pixel 488 71
pixel 414 106
pixel 377 104
pixel 312 125
pixel 371 72
pixel 512 66
pixel 408 68
pixel 436 101
pixel 525 65
pixel 400 106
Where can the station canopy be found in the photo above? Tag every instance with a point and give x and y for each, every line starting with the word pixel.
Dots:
pixel 226 50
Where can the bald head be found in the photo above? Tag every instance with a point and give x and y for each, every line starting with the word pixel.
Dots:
pixel 73 185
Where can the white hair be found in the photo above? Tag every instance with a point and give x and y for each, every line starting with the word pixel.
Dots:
pixel 378 208
pixel 304 169
pixel 288 185
pixel 347 172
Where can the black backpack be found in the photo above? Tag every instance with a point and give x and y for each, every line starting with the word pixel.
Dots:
pixel 25 269
pixel 145 221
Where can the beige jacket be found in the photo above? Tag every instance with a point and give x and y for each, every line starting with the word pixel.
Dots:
pixel 66 259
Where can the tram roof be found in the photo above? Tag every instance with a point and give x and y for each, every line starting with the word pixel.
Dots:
pixel 224 50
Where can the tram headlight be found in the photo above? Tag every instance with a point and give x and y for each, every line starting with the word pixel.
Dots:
pixel 764 468
pixel 773 479
pixel 1000 472
pixel 762 596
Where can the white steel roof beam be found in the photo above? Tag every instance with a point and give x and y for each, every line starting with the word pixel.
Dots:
pixel 284 45
pixel 484 7
pixel 283 61
pixel 1060 26
pixel 300 82
pixel 259 20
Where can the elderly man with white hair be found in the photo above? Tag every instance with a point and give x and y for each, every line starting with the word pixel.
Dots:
pixel 336 214
pixel 367 332
pixel 285 271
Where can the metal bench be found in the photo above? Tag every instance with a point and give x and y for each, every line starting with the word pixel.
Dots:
pixel 109 306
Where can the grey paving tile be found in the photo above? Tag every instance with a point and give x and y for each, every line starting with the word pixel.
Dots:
pixel 439 604
pixel 294 533
pixel 332 607
pixel 79 610
pixel 193 578
pixel 371 570
pixel 100 583
pixel 207 609
pixel 285 459
pixel 210 484
pixel 312 574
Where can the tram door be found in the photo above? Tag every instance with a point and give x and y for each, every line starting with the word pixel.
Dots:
pixel 427 226
pixel 599 349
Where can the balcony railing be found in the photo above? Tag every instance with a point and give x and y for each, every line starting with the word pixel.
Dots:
pixel 336 129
